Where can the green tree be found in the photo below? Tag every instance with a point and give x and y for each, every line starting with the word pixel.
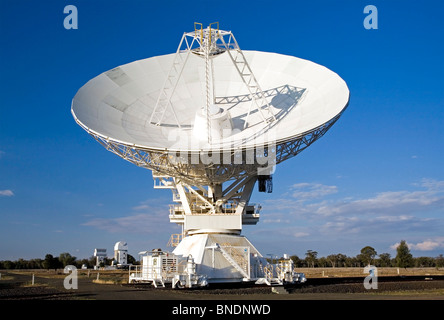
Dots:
pixel 367 255
pixel 80 263
pixel 50 262
pixel 424 262
pixel 384 260
pixel 403 258
pixel 105 262
pixel 439 261
pixel 131 260
pixel 8 264
pixel 311 257
pixel 323 262
pixel 297 261
pixel 66 259
pixel 21 264
pixel 91 261
pixel 351 262
pixel 336 260
pixel 333 260
pixel 341 259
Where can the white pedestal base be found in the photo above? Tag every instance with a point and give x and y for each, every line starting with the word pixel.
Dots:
pixel 223 257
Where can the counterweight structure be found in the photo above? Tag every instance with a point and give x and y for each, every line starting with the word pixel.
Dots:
pixel 210 121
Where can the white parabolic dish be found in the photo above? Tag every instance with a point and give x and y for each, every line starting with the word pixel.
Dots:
pixel 116 105
pixel 177 114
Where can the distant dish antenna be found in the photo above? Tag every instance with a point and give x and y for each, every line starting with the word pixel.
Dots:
pixel 210 120
pixel 121 253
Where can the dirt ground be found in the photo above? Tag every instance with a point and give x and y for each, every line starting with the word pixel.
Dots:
pixel 112 286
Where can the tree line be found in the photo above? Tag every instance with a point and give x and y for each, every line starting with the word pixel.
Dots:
pixel 367 255
pixel 60 262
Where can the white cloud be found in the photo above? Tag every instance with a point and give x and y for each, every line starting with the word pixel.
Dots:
pixel 150 217
pixel 151 204
pixel 315 216
pixel 426 245
pixel 393 218
pixel 431 184
pixel 368 226
pixel 6 193
pixel 389 203
pixel 300 234
pixel 304 191
pixel 386 215
pixel 393 201
pixel 271 221
pixel 141 207
pixel 288 232
pixel 139 223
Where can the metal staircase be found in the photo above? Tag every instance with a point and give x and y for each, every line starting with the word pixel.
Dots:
pixel 269 278
pixel 236 259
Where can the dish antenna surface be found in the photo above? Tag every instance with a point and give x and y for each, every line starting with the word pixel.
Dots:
pixel 211 120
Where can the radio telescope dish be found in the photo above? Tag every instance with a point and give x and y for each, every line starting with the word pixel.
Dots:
pixel 210 120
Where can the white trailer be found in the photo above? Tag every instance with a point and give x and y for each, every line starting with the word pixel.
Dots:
pixel 161 267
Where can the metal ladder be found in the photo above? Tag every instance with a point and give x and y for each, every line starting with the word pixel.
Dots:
pixel 244 70
pixel 207 41
pixel 164 99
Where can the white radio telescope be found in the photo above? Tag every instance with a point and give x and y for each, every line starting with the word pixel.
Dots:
pixel 209 121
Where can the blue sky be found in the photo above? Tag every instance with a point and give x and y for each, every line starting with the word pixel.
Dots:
pixel 374 179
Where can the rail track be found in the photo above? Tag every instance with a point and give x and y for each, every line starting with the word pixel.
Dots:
pixel 319 285
pixel 345 280
pixel 356 284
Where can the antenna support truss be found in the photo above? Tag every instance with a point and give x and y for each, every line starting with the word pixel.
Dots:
pixel 208 43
